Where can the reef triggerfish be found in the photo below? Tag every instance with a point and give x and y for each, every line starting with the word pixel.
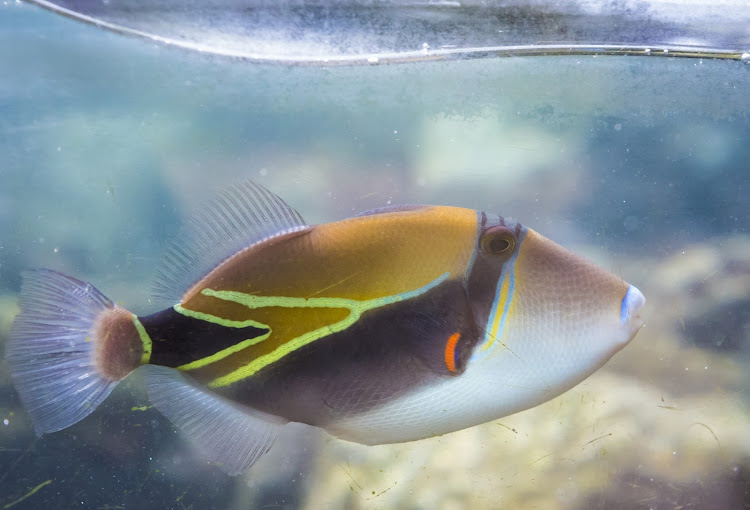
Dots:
pixel 398 324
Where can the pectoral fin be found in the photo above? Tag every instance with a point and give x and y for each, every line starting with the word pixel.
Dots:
pixel 232 436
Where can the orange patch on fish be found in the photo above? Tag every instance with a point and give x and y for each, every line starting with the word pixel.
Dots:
pixel 450 352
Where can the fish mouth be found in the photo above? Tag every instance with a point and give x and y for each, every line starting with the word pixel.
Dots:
pixel 630 309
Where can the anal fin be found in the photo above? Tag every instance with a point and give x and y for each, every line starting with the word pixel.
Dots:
pixel 232 436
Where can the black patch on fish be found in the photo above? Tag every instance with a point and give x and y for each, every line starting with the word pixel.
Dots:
pixel 389 352
pixel 177 339
pixel 482 285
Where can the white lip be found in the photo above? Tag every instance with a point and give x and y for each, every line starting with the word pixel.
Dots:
pixel 631 306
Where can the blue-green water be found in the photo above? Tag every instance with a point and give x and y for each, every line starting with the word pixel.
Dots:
pixel 107 143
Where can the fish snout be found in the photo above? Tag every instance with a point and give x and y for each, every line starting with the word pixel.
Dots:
pixel 630 309
pixel 587 308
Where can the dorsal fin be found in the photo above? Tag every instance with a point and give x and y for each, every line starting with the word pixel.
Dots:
pixel 392 208
pixel 238 217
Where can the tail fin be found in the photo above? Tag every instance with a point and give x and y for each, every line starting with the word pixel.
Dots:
pixel 56 346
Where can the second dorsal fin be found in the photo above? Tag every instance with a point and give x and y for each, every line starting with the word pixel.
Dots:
pixel 238 217
pixel 392 209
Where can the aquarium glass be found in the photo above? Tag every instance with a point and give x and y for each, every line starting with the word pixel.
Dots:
pixel 640 162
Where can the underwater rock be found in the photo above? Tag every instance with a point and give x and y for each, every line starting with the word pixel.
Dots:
pixel 724 328
pixel 710 285
pixel 726 489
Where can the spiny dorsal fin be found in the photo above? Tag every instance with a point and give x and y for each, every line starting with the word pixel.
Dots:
pixel 238 217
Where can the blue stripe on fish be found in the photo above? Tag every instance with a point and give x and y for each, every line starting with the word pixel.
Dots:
pixel 508 273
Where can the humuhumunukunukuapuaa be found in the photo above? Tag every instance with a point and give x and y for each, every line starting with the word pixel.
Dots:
pixel 394 325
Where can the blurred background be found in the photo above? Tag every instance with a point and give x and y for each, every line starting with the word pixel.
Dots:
pixel 640 163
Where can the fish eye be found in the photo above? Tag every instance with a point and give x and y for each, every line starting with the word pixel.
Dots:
pixel 497 241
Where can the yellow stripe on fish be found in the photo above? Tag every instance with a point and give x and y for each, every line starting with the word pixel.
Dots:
pixel 355 308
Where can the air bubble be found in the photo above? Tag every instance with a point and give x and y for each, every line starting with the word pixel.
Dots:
pixel 745 57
